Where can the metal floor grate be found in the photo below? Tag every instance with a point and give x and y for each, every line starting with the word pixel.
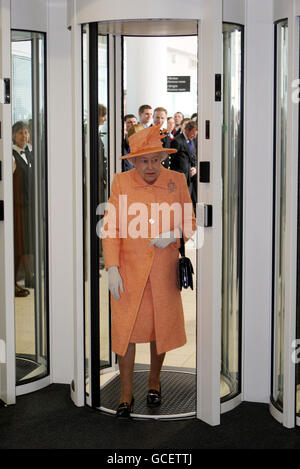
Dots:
pixel 24 366
pixel 178 391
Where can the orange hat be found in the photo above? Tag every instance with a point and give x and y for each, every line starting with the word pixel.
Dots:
pixel 147 141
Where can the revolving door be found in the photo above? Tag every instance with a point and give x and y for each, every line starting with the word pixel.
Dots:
pixel 107 64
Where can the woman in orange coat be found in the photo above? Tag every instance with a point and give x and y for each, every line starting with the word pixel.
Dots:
pixel 148 210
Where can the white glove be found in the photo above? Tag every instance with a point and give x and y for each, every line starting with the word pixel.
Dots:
pixel 163 240
pixel 115 282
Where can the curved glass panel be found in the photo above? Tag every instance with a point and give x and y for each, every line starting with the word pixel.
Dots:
pixel 232 148
pixel 30 205
pixel 279 215
pixel 86 215
pixel 95 60
pixel 103 192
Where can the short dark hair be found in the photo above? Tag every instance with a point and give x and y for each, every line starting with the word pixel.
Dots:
pixel 129 116
pixel 144 107
pixel 191 125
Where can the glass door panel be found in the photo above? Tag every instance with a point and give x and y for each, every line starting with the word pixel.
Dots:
pixel 103 193
pixel 86 201
pixel 279 216
pixel 96 179
pixel 100 148
pixel 170 55
pixel 232 150
pixel 29 149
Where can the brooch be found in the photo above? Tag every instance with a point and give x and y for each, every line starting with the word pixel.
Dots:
pixel 172 186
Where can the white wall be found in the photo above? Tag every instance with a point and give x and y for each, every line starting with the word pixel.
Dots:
pixel 258 181
pixel 30 15
pixel 60 191
pixel 50 16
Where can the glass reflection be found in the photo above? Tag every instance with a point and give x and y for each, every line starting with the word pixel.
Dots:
pixel 281 51
pixel 232 149
pixel 30 205
pixel 95 192
pixel 103 193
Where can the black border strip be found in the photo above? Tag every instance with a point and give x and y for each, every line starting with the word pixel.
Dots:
pixel 84 208
pixel 94 240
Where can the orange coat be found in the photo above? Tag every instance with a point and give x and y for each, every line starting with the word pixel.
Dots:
pixel 137 260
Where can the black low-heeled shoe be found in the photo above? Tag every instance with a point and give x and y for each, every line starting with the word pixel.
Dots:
pixel 124 410
pixel 154 397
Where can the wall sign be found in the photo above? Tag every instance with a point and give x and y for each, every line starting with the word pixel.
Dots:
pixel 177 84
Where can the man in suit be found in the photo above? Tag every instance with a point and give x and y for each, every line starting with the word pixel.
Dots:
pixel 159 118
pixel 145 115
pixel 185 160
pixel 178 118
pixel 129 121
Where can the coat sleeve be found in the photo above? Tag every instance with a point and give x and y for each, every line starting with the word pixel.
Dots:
pixel 110 233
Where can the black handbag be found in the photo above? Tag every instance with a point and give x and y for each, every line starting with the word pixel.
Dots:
pixel 184 269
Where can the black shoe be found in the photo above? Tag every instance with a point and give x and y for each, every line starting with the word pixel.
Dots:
pixel 21 292
pixel 124 409
pixel 154 397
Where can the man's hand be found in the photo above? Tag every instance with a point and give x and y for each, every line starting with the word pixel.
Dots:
pixel 193 171
pixel 115 282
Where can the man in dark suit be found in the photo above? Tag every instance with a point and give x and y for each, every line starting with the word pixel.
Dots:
pixel 160 118
pixel 185 160
pixel 178 118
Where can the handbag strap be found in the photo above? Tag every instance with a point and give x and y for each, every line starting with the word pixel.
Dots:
pixel 182 248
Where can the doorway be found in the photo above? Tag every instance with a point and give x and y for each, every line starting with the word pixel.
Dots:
pixel 180 365
pixel 106 58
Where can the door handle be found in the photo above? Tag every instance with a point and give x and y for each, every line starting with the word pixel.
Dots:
pixel 205 215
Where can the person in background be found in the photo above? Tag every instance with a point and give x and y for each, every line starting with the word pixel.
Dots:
pixel 102 168
pixel 159 119
pixel 145 115
pixel 170 126
pixel 24 219
pixel 129 121
pixel 183 123
pixel 178 117
pixel 126 163
pixel 185 160
pixel 102 116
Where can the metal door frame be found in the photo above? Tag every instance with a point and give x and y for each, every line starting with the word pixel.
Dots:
pixel 208 259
